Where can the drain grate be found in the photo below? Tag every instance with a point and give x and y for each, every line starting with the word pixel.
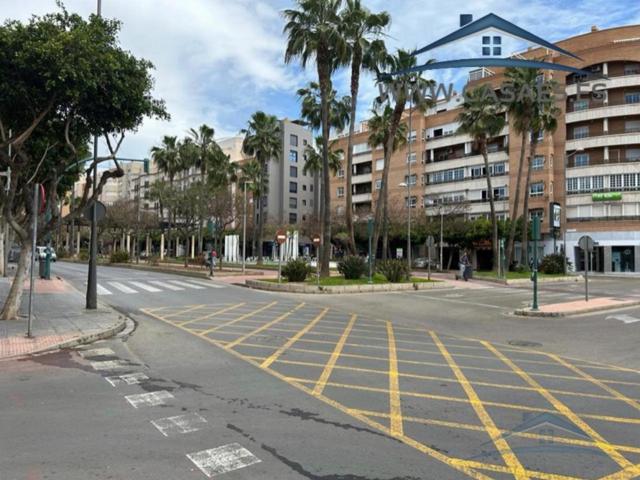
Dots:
pixel 524 343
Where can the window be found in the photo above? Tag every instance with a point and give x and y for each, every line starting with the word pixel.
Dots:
pixel 378 184
pixel 304 203
pixel 632 69
pixel 311 188
pixel 579 105
pixel 379 164
pixel 411 202
pixel 631 126
pixel 629 181
pixel 340 192
pixel 632 154
pixel 497 51
pixel 581 132
pixel 498 168
pixel 293 187
pixel 411 158
pixel 304 142
pixel 536 213
pixel 538 162
pixel 632 97
pixel 500 193
pixel 615 182
pixel 477 172
pixel 412 136
pixel 304 188
pixel 581 160
pixel 293 156
pixel 486 40
pixel 536 189
pixel 293 202
pixel 572 185
pixel 293 140
pixel 341 173
pixel 486 51
pixel 293 217
pixel 361 148
pixel 444 176
pixel 411 180
pixel 597 183
pixel 293 172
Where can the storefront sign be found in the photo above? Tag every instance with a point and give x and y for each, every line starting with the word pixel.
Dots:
pixel 606 197
pixel 556 214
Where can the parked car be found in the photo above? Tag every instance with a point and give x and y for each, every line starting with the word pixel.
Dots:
pixel 423 262
pixel 41 253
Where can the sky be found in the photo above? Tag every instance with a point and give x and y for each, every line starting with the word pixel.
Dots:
pixel 218 61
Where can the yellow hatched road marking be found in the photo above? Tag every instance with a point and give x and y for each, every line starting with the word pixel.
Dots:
pixel 491 429
pixel 190 309
pixel 564 410
pixel 239 319
pixel 265 326
pixel 623 398
pixel 479 428
pixel 624 474
pixel 326 373
pixel 395 405
pixel 268 361
pixel 210 315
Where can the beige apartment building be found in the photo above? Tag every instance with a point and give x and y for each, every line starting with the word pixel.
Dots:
pixel 590 165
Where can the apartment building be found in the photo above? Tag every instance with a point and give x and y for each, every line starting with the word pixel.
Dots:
pixel 590 165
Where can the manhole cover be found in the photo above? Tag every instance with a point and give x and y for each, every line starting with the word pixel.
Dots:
pixel 524 343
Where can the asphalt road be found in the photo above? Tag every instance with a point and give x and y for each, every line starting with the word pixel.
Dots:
pixel 395 386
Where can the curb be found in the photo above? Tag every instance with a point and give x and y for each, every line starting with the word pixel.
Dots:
pixel 293 288
pixel 524 312
pixel 526 281
pixel 81 340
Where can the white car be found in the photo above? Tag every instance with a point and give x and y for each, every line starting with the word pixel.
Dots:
pixel 41 253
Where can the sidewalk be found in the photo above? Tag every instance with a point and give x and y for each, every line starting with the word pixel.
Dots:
pixel 577 307
pixel 59 320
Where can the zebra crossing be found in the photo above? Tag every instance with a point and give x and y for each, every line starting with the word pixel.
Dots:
pixel 152 286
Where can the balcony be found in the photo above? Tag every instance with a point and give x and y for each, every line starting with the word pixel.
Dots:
pixel 502 155
pixel 363 178
pixel 611 82
pixel 454 138
pixel 361 198
pixel 603 111
pixel 609 139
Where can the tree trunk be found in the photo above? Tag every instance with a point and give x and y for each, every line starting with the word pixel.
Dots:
pixel 379 213
pixel 355 85
pixel 385 227
pixel 524 252
pixel 492 207
pixel 516 203
pixel 260 219
pixel 324 76
pixel 12 303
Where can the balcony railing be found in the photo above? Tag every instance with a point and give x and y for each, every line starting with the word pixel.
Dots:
pixel 598 76
pixel 611 131
pixel 444 158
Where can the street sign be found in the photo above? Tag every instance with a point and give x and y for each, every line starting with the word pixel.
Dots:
pixel 101 212
pixel 430 241
pixel 281 237
pixel 586 243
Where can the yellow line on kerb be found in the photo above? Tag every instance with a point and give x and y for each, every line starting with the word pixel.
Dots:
pixel 601 443
pixel 395 404
pixel 268 361
pixel 239 319
pixel 264 327
pixel 209 315
pixel 492 430
pixel 326 373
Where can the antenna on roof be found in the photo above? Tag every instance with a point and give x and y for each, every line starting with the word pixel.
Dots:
pixel 465 19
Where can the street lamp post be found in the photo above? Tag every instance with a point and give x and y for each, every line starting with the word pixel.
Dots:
pixel 564 208
pixel 408 182
pixel 244 226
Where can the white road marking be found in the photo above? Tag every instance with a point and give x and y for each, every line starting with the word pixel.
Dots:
pixel 95 352
pixel 166 285
pixel 207 284
pixel 191 422
pixel 129 379
pixel 188 285
pixel 146 287
pixel 122 287
pixel 223 459
pixel 103 291
pixel 151 399
pixel 454 295
pixel 623 318
pixel 109 365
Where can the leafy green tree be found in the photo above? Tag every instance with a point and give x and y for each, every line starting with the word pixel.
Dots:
pixel 313 31
pixel 168 160
pixel 362 30
pixel 481 119
pixel 63 79
pixel 262 141
pixel 397 90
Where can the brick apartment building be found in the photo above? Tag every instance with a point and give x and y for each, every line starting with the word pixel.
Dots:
pixel 590 165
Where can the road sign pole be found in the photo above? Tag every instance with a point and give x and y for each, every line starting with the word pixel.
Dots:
pixel 369 232
pixel 534 274
pixel 586 275
pixel 34 236
pixel 316 242
pixel 279 262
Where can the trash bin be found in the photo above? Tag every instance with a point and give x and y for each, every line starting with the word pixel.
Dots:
pixel 42 267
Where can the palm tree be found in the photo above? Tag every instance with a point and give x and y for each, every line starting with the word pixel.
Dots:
pixel 311 109
pixel 313 158
pixel 481 119
pixel 167 158
pixel 362 30
pixel 251 173
pixel 380 126
pixel 206 146
pixel 262 141
pixel 399 87
pixel 313 31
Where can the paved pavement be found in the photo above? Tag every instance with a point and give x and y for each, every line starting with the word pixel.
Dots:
pixel 405 386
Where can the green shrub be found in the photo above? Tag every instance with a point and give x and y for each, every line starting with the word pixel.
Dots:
pixel 296 270
pixel 553 264
pixel 84 254
pixel 395 271
pixel 352 267
pixel 154 260
pixel 119 256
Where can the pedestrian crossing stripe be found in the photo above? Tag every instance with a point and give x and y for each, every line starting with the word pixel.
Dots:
pixel 153 286
pixel 143 286
pixel 123 288
pixel 188 285
pixel 103 291
pixel 166 285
